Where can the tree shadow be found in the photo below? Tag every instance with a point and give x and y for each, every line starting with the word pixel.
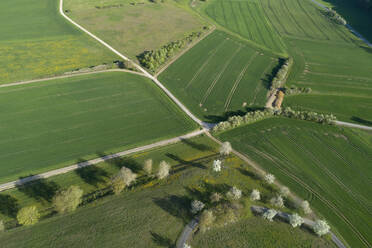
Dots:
pixel 203 196
pixel 177 206
pixel 40 189
pixel 161 240
pixel 221 188
pixel 8 205
pixel 200 147
pixel 248 173
pixel 177 168
pixel 92 175
pixel 119 162
pixel 361 121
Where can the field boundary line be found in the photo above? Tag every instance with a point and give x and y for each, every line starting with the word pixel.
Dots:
pixel 13 184
pixel 146 73
pixel 175 58
pixel 68 76
pixel 237 81
pixel 219 75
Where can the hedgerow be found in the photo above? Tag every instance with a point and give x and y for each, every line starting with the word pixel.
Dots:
pixel 281 74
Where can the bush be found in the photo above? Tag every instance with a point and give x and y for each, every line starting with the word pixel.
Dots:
pixel 270 214
pixel 68 200
pixel 281 75
pixel 127 175
pixel 117 184
pixel 206 220
pixel 277 201
pixel 196 206
pixel 334 16
pixel 295 220
pixel 215 197
pixel 255 195
pixel 307 115
pixel 234 193
pixel 284 191
pixel 294 90
pixel 269 178
pixel 321 227
pixel 217 165
pixel 2 226
pixel 164 168
pixel 147 166
pixel 225 148
pixel 28 216
pixel 305 206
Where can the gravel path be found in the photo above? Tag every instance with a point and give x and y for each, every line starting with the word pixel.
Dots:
pixel 347 124
pixel 13 184
pixel 186 233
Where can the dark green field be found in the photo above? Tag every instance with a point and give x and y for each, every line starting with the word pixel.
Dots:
pixel 327 165
pixel 152 214
pixel 220 74
pixel 50 124
pixel 37 42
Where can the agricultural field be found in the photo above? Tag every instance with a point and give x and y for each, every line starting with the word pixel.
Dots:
pixel 151 213
pixel 330 166
pixel 49 124
pixel 37 42
pixel 134 26
pixel 220 74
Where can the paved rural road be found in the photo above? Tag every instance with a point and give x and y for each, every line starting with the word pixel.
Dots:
pixel 160 85
pixel 67 76
pixel 13 184
pixel 187 231
pixel 348 124
pixel 307 222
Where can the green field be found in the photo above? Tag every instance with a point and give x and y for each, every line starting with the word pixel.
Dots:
pixel 134 28
pixel 327 165
pixel 220 74
pixel 36 42
pixel 152 214
pixel 48 124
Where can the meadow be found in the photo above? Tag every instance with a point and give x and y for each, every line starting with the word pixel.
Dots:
pixel 328 58
pixel 47 125
pixel 151 213
pixel 133 26
pixel 220 74
pixel 37 42
pixel 330 166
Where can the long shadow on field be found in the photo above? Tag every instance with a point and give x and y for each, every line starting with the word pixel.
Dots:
pixel 92 175
pixel 162 241
pixel 193 163
pixel 8 206
pixel 41 189
pixel 200 147
pixel 248 173
pixel 123 161
pixel 226 115
pixel 177 206
pixel 362 121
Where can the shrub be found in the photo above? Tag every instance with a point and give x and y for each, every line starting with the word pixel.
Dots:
pixel 215 197
pixel 334 16
pixel 269 214
pixel 284 191
pixel 127 175
pixel 206 220
pixel 308 116
pixel 196 206
pixel 2 226
pixel 277 201
pixel 225 148
pixel 163 171
pixel 147 166
pixel 117 184
pixel 217 165
pixel 28 216
pixel 234 193
pixel 321 227
pixel 68 200
pixel 269 178
pixel 295 220
pixel 255 195
pixel 305 206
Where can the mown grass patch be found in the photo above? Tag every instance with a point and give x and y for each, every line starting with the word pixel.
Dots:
pixel 37 42
pixel 333 162
pixel 47 125
pixel 220 74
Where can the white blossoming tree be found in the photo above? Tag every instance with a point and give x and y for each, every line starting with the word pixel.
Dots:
pixel 128 176
pixel 196 206
pixel 186 245
pixel 147 166
pixel 217 165
pixel 269 178
pixel 269 214
pixel 284 191
pixel 234 193
pixel 2 226
pixel 164 168
pixel 225 148
pixel 321 227
pixel 305 206
pixel 215 197
pixel 277 201
pixel 295 220
pixel 255 195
